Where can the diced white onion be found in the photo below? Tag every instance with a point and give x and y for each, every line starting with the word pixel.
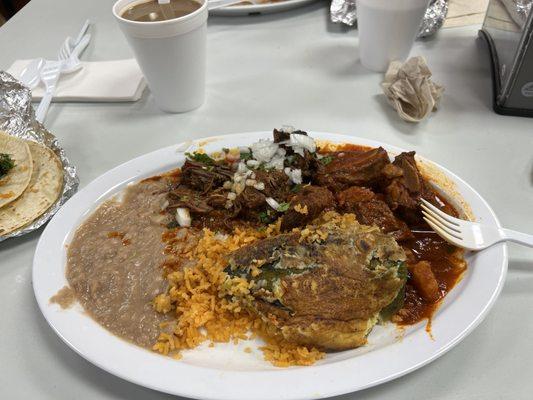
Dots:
pixel 250 182
pixel 281 152
pixel 295 175
pixel 276 163
pixel 298 141
pixel 298 150
pixel 259 186
pixel 272 203
pixel 252 163
pixel 227 185
pixel 287 128
pixel 238 187
pixel 231 196
pixel 221 236
pixel 241 168
pixel 264 150
pixel 183 217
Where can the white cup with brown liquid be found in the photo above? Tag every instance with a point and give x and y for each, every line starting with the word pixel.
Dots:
pixel 169 43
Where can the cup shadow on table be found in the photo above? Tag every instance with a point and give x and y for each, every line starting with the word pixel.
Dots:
pixel 521 266
pixel 481 56
pixel 345 64
pixel 531 176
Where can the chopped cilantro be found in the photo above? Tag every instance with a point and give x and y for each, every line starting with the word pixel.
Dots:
pixel 296 188
pixel 290 159
pixel 264 217
pixel 201 157
pixel 263 167
pixel 172 224
pixel 246 156
pixel 283 207
pixel 326 160
pixel 6 164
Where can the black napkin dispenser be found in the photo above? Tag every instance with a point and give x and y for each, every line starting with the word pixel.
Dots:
pixel 508 32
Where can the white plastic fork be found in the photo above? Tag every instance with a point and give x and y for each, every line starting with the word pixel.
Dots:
pixel 49 76
pixel 31 74
pixel 74 42
pixel 68 61
pixel 71 54
pixel 469 235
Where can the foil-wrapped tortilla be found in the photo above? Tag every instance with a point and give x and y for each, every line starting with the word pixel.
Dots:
pixel 17 118
pixel 345 11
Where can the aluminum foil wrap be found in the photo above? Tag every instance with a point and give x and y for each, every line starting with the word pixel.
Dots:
pixel 519 10
pixel 345 11
pixel 17 118
pixel 523 7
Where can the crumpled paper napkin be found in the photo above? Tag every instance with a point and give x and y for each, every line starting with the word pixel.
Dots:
pixel 410 90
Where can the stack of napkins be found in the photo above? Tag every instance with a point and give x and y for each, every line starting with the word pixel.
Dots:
pixel 99 81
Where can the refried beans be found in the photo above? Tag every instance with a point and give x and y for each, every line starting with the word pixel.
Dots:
pixel 115 258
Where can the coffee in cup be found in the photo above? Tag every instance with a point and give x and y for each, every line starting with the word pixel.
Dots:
pixel 152 10
pixel 169 43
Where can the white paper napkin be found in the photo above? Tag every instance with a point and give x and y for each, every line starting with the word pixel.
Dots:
pixel 98 81
pixel 410 90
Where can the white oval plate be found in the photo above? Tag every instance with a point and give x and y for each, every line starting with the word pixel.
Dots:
pixel 267 8
pixel 226 372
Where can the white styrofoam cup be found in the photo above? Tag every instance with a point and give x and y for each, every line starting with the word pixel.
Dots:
pixel 171 54
pixel 387 30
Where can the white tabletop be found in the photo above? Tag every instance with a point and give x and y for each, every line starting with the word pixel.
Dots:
pixel 264 71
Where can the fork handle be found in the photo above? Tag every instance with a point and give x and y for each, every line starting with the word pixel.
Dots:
pixel 43 106
pixel 517 237
pixel 42 109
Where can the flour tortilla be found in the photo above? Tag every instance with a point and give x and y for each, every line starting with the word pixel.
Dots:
pixel 13 184
pixel 43 190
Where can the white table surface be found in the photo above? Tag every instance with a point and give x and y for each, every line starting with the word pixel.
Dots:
pixel 292 68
